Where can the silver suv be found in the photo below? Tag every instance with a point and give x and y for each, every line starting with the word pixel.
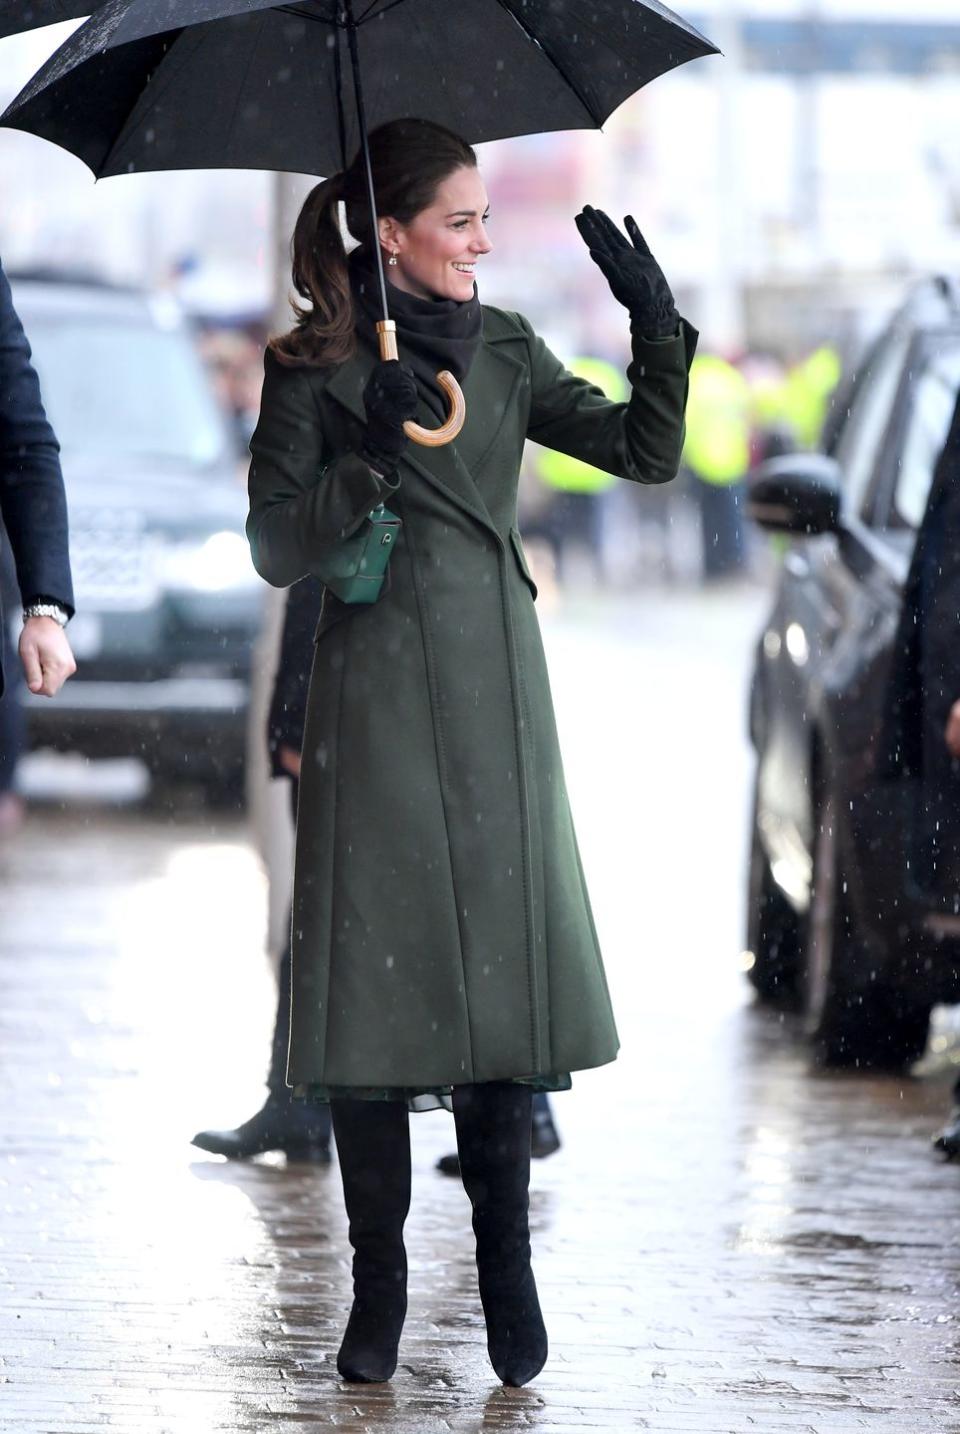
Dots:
pixel 168 604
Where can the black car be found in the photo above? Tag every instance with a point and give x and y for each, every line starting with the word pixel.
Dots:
pixel 837 923
pixel 168 603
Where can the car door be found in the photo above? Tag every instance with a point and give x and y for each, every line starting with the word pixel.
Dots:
pixel 825 604
pixel 859 576
pixel 882 534
pixel 898 508
pixel 874 815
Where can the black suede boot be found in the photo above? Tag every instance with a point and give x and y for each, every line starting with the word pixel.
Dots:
pixel 373 1143
pixel 493 1123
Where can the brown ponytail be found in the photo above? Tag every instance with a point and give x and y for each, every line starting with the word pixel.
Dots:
pixel 323 332
pixel 411 158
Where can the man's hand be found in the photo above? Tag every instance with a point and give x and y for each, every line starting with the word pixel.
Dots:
pixel 289 760
pixel 952 733
pixel 46 656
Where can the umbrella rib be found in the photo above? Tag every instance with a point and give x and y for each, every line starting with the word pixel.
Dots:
pixel 300 14
pixel 341 117
pixel 535 40
pixel 373 6
pixel 246 74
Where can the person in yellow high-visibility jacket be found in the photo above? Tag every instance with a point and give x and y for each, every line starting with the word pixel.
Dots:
pixel 809 388
pixel 574 515
pixel 717 454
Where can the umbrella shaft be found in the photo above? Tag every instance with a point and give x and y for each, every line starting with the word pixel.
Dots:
pixel 368 165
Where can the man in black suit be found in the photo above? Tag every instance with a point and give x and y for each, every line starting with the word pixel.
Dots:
pixel 33 510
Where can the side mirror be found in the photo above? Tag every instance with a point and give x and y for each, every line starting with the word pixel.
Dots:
pixel 797 494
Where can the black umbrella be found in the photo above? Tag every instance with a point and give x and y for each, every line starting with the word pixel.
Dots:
pixel 250 84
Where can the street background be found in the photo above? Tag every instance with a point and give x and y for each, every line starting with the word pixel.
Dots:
pixel 728 1241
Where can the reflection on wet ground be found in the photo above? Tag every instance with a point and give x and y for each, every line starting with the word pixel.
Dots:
pixel 726 1242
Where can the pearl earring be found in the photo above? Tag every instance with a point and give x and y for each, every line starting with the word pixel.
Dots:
pixel 392 260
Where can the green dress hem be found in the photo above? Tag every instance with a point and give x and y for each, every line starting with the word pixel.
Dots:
pixel 417 1098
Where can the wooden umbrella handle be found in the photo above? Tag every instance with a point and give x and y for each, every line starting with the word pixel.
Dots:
pixel 427 437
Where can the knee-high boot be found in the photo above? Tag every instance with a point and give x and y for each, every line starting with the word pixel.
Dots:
pixel 493 1139
pixel 373 1143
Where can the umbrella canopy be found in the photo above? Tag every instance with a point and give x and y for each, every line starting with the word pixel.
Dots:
pixel 200 84
pixel 15 16
pixel 249 84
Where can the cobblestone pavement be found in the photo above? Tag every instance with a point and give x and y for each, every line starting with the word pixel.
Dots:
pixel 726 1242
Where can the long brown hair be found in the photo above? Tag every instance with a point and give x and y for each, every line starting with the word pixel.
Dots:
pixel 411 158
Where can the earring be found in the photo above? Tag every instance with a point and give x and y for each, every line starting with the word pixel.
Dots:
pixel 392 260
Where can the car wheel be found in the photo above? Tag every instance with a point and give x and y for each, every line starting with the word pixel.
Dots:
pixel 773 932
pixel 854 1021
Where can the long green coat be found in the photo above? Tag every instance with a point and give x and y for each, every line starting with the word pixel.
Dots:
pixel 442 931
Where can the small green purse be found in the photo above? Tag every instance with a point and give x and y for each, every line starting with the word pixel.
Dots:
pixel 356 568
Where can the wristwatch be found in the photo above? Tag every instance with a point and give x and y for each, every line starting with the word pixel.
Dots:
pixel 46 609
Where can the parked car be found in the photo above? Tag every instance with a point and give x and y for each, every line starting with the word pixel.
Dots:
pixel 837 925
pixel 168 603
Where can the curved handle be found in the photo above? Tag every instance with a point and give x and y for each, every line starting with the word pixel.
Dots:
pixel 427 437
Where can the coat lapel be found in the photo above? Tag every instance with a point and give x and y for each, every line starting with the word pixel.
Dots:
pixel 490 393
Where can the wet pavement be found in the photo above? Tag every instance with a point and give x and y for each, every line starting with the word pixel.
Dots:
pixel 726 1242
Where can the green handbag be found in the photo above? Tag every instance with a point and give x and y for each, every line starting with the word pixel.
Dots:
pixel 356 568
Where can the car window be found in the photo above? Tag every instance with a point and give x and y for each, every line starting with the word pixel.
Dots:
pixel 933 398
pixel 122 389
pixel 859 444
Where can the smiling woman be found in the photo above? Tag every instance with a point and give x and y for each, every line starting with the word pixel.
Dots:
pixel 443 944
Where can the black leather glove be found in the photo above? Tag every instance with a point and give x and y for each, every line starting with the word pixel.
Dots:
pixel 632 272
pixel 390 397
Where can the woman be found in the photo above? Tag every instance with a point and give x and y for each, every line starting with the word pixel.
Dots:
pixel 443 947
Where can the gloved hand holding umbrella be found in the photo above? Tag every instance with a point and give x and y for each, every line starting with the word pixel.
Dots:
pixel 183 84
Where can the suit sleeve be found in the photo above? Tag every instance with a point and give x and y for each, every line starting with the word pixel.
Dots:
pixel 32 499
pixel 303 498
pixel 641 440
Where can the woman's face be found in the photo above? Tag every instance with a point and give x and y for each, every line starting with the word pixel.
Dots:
pixel 438 250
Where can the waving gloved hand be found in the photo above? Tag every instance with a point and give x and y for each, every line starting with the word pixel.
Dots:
pixel 390 398
pixel 632 272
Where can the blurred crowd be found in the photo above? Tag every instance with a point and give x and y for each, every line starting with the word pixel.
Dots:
pixel 583 526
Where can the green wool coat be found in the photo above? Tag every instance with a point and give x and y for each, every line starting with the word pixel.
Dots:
pixel 442 931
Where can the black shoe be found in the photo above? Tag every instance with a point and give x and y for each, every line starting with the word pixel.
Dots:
pixel 299 1134
pixel 544 1141
pixel 948 1141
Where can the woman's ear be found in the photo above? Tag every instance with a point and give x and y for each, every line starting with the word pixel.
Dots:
pixel 387 230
